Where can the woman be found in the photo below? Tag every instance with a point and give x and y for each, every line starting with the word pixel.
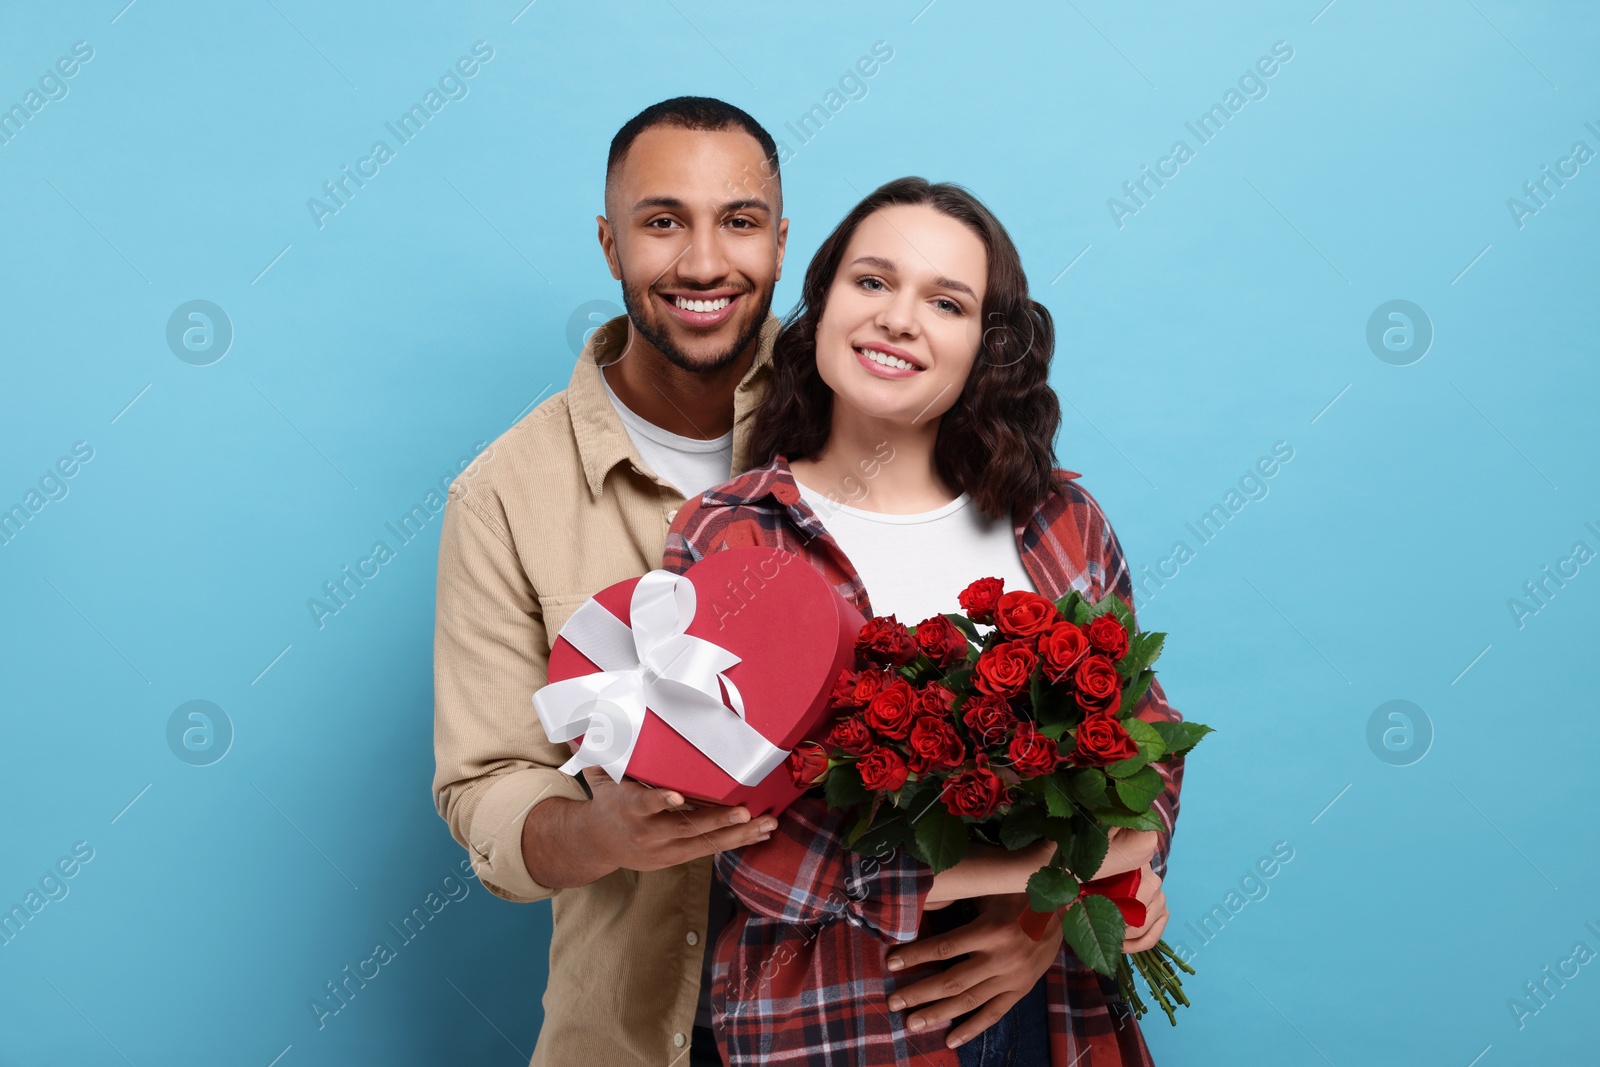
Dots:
pixel 912 380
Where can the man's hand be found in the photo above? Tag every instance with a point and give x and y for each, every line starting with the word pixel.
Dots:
pixel 1002 964
pixel 628 826
pixel 1155 913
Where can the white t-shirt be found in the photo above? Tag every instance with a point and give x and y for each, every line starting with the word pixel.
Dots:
pixel 914 566
pixel 691 464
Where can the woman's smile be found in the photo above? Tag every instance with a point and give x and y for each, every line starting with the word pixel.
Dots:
pixel 887 361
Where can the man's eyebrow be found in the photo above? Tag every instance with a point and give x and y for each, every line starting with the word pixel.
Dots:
pixel 672 203
pixel 941 283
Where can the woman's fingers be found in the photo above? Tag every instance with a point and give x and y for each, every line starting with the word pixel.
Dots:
pixel 1154 925
pixel 951 982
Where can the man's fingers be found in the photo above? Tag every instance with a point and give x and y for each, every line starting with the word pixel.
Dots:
pixel 946 946
pixel 721 840
pixel 972 1000
pixel 952 982
pixel 985 1017
pixel 699 821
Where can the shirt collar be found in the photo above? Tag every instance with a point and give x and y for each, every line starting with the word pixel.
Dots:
pixel 603 440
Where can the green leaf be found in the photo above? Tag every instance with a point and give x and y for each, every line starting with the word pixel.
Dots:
pixel 1055 731
pixel 1094 928
pixel 844 788
pixel 1138 790
pixel 1180 737
pixel 1151 746
pixel 1021 827
pixel 941 839
pixel 1086 852
pixel 1082 612
pixel 1050 888
pixel 887 835
pixel 1136 690
pixel 1036 693
pixel 1069 603
pixel 1055 796
pixel 1146 820
pixel 1088 786
pixel 965 625
pixel 956 680
pixel 1124 767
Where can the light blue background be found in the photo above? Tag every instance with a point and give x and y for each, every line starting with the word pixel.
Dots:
pixel 1229 313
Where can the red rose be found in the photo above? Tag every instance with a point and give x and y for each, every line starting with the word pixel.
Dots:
pixel 892 711
pixel 1102 740
pixel 1108 635
pixel 850 735
pixel 1060 649
pixel 934 699
pixel 844 690
pixel 1099 689
pixel 940 641
pixel 807 763
pixel 882 770
pixel 1023 614
pixel 868 685
pixel 978 600
pixel 883 640
pixel 1032 753
pixel 934 745
pixel 977 793
pixel 989 719
pixel 1003 670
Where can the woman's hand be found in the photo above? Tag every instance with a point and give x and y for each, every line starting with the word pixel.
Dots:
pixel 988 870
pixel 1128 850
pixel 997 964
pixel 1155 913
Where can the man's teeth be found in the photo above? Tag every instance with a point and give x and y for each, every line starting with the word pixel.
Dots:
pixel 703 305
pixel 886 359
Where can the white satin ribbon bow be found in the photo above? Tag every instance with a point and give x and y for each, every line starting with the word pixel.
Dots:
pixel 653 664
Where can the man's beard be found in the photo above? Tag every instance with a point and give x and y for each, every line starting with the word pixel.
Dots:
pixel 637 303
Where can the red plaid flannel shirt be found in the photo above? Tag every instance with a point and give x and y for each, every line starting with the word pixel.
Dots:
pixel 799 973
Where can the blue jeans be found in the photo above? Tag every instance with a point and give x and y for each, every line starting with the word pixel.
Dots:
pixel 1020 1039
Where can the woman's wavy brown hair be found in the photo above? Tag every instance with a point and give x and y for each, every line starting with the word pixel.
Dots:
pixel 996 442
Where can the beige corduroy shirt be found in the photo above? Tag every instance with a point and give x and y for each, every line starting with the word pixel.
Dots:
pixel 559 507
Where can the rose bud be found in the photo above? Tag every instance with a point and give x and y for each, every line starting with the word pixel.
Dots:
pixel 883 640
pixel 1032 753
pixel 934 745
pixel 1060 649
pixel 1004 669
pixel 1098 687
pixel 1024 614
pixel 1101 739
pixel 892 711
pixel 1108 635
pixel 851 736
pixel 807 763
pixel 940 641
pixel 976 793
pixel 979 599
pixel 989 719
pixel 882 770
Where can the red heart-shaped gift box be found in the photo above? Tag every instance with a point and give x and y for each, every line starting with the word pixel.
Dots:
pixel 793 633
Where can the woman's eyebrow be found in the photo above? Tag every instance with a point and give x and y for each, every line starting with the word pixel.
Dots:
pixel 889 267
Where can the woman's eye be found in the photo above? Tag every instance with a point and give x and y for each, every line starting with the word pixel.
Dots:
pixel 949 306
pixel 869 282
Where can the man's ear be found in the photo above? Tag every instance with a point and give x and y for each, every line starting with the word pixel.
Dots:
pixel 783 242
pixel 608 245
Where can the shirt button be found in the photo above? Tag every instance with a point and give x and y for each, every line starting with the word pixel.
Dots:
pixel 692 937
pixel 679 1040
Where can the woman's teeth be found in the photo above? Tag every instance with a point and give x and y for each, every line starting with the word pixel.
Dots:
pixel 887 360
pixel 703 305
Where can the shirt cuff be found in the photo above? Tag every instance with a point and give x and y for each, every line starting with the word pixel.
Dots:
pixel 495 837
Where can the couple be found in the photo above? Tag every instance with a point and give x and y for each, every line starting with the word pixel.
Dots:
pixel 896 434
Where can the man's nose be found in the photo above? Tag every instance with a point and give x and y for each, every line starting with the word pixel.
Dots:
pixel 706 261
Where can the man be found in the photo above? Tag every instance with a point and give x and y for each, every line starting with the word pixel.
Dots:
pixel 577 496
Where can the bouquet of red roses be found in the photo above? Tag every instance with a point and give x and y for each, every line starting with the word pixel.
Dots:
pixel 947 733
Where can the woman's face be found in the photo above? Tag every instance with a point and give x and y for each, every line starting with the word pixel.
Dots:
pixel 902 322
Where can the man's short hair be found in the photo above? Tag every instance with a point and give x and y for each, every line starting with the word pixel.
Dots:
pixel 693 113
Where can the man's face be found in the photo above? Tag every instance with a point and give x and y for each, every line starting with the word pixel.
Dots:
pixel 692 230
